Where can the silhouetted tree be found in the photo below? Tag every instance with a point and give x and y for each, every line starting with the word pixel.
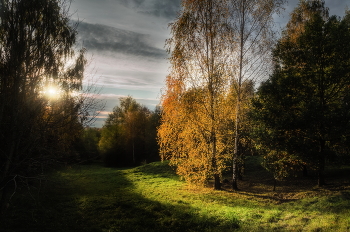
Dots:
pixel 40 116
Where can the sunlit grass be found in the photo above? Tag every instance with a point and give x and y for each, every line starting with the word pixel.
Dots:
pixel 152 198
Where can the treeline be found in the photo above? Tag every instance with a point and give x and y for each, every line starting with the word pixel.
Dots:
pixel 128 137
pixel 299 117
pixel 43 108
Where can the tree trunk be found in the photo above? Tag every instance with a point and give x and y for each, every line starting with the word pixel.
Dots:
pixel 217 184
pixel 241 163
pixel 321 164
pixel 305 172
pixel 3 199
pixel 234 174
pixel 237 153
pixel 133 152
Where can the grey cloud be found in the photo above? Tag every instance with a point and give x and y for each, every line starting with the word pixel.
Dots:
pixel 160 8
pixel 336 7
pixel 104 38
pixel 166 9
pixel 131 3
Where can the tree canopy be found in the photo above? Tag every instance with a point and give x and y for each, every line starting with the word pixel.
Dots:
pixel 303 109
pixel 217 49
pixel 129 134
pixel 37 40
pixel 193 102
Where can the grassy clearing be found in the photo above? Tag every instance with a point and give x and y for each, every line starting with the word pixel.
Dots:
pixel 152 198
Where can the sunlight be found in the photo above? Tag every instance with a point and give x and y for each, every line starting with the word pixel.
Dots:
pixel 52 92
pixel 75 93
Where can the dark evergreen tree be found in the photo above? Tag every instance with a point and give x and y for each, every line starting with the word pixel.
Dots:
pixel 303 111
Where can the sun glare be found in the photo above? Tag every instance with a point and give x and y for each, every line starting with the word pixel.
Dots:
pixel 52 92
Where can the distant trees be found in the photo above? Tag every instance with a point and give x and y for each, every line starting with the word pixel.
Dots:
pixel 129 135
pixel 36 43
pixel 302 111
pixel 87 144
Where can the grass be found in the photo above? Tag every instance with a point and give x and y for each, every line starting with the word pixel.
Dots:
pixel 152 198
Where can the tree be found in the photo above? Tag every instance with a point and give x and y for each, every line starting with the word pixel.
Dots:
pixel 87 144
pixel 303 108
pixel 251 23
pixel 198 79
pixel 152 147
pixel 184 136
pixel 126 137
pixel 245 144
pixel 36 41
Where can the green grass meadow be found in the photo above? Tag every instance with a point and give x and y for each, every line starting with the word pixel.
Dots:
pixel 152 198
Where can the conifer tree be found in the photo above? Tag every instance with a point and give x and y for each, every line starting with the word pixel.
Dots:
pixel 303 108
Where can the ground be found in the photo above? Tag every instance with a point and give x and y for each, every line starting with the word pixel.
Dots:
pixel 153 198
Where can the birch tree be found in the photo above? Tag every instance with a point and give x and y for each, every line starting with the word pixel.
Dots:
pixel 251 22
pixel 193 110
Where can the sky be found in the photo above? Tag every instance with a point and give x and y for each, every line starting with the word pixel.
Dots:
pixel 125 45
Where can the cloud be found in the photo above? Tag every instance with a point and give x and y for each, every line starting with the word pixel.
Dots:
pixel 165 9
pixel 160 8
pixel 102 38
pixel 103 112
pixel 101 117
pixel 337 7
pixel 113 100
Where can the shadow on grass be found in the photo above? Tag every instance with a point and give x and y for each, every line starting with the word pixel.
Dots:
pixel 103 199
pixel 258 184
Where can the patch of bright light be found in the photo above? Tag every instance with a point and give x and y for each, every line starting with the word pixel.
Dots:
pixel 75 94
pixel 52 92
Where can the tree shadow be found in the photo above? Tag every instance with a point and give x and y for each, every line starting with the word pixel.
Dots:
pixel 105 201
pixel 258 183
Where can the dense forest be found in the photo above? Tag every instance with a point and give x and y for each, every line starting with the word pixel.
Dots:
pixel 235 90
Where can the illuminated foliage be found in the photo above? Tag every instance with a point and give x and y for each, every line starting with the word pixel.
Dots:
pixel 217 49
pixel 193 102
pixel 185 136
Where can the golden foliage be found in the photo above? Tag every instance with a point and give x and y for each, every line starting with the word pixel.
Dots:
pixel 185 135
pixel 303 13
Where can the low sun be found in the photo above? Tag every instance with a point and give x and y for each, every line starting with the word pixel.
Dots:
pixel 52 92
